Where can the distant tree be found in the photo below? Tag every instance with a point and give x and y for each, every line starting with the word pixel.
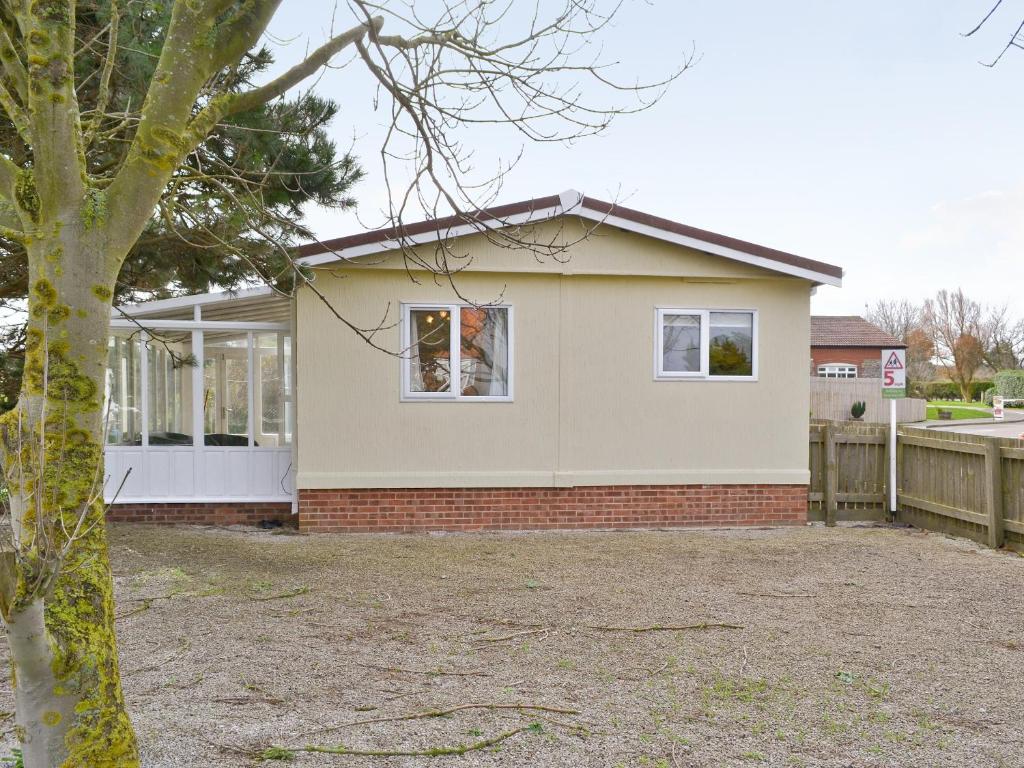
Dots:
pixel 920 353
pixel 905 320
pixel 897 317
pixel 1003 340
pixel 953 322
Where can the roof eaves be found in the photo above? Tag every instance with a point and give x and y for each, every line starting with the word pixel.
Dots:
pixel 574 203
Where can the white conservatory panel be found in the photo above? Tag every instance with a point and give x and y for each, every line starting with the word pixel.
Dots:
pixel 225 474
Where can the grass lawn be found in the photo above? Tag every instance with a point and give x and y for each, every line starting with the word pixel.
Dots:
pixel 799 646
pixel 958 404
pixel 932 412
pixel 960 409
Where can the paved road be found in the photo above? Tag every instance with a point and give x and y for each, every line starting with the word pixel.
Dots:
pixel 993 429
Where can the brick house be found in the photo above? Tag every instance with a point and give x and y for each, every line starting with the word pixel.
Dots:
pixel 652 378
pixel 848 347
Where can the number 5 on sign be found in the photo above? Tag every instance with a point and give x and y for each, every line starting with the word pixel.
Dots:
pixel 894 373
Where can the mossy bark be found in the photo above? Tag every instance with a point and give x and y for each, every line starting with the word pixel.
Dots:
pixel 70 706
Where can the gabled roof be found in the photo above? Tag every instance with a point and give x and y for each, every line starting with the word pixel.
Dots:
pixel 575 204
pixel 850 331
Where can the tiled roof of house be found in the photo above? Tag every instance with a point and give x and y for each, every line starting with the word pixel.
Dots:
pixel 849 331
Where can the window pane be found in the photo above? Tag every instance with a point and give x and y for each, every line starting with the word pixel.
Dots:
pixel 484 352
pixel 124 390
pixel 732 344
pixel 430 352
pixel 680 344
pixel 170 389
pixel 273 356
pixel 226 389
pixel 837 371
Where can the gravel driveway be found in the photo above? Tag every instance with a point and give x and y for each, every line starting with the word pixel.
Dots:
pixel 842 647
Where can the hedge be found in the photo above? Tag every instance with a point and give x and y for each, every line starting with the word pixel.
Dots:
pixel 942 390
pixel 1010 384
pixel 979 388
pixel 948 390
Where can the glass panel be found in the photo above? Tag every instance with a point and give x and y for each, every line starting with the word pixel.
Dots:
pixel 732 344
pixel 430 353
pixel 226 388
pixel 273 361
pixel 680 343
pixel 169 361
pixel 124 390
pixel 484 355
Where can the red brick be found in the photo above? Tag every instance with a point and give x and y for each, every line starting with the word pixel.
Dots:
pixel 208 514
pixel 624 506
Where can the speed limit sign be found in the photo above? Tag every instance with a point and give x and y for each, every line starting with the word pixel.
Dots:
pixel 894 373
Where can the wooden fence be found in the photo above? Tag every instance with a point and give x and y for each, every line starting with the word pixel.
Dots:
pixel 831 400
pixel 848 471
pixel 967 485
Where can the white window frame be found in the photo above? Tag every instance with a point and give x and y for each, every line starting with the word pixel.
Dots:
pixel 825 367
pixel 704 374
pixel 454 355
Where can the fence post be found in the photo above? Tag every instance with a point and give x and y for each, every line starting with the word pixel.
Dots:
pixel 831 475
pixel 899 474
pixel 994 493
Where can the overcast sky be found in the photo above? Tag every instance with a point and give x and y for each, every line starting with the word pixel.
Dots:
pixel 862 134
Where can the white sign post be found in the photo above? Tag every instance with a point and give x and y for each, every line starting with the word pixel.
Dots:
pixel 894 387
pixel 997 408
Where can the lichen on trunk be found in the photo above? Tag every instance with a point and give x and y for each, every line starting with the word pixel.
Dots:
pixel 58 606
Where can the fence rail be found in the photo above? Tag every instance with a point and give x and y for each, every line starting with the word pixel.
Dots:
pixel 967 485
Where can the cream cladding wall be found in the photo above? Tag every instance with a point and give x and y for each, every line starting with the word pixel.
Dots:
pixel 587 409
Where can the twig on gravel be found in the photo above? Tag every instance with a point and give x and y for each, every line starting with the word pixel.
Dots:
pixel 666 627
pixel 286 753
pixel 248 700
pixel 147 603
pixel 776 594
pixel 431 713
pixel 514 635
pixel 231 748
pixel 432 672
pixel 290 593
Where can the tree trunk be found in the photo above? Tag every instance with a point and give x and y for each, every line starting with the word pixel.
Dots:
pixel 59 607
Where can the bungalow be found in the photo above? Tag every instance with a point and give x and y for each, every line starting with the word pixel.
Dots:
pixel 655 377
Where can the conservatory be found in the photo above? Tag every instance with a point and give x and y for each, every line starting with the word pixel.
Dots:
pixel 201 400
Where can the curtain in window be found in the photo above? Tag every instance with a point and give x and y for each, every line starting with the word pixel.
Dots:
pixel 484 351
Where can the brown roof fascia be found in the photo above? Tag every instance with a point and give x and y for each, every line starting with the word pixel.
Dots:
pixel 599 206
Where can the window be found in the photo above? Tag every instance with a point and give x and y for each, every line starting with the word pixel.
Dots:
pixel 475 342
pixel 838 371
pixel 124 389
pixel 706 344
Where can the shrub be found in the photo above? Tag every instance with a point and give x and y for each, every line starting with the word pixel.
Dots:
pixel 858 408
pixel 989 394
pixel 979 388
pixel 1010 384
pixel 942 390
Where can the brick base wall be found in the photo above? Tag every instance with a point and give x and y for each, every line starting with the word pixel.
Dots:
pixel 407 510
pixel 239 513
